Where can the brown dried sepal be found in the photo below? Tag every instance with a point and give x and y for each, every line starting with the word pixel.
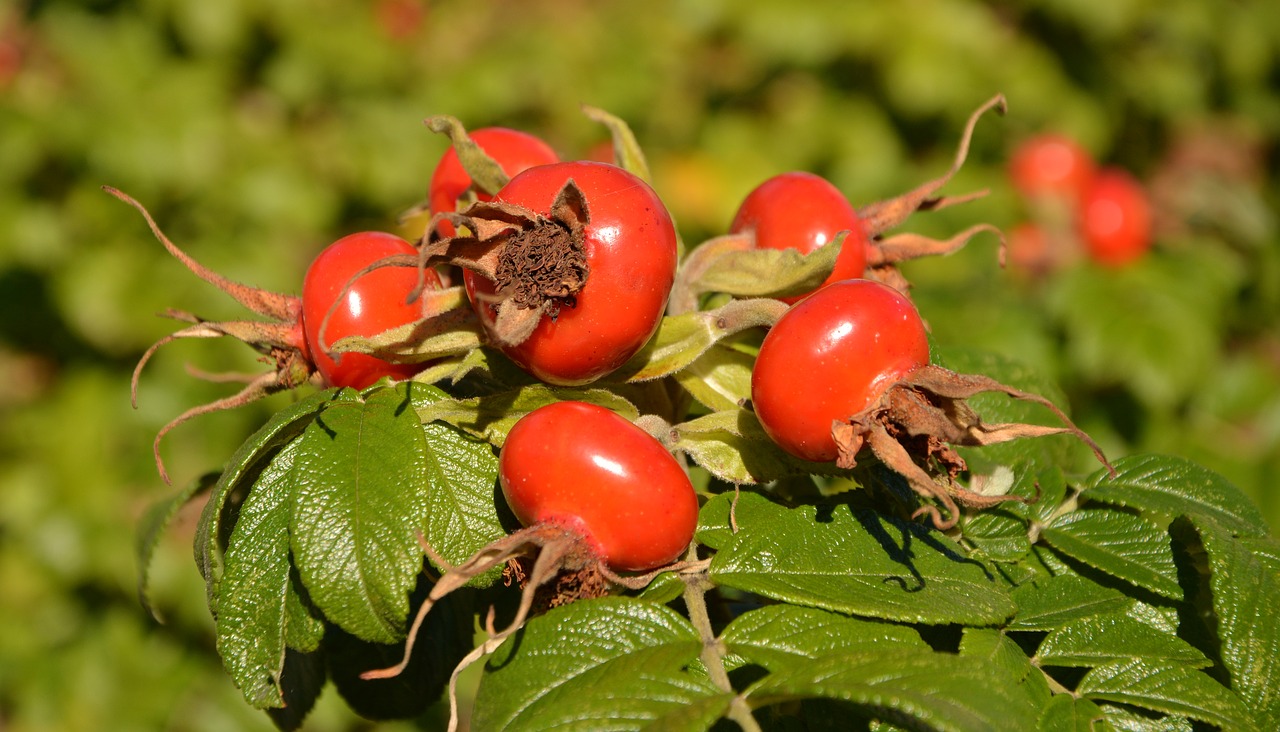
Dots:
pixel 538 263
pixel 553 565
pixel 884 253
pixel 279 338
pixel 914 425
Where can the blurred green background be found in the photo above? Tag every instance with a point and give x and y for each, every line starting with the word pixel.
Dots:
pixel 257 132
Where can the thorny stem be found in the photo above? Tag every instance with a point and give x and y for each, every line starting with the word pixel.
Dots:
pixel 695 599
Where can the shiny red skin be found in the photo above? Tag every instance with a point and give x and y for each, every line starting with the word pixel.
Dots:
pixel 1052 165
pixel 1115 218
pixel 513 150
pixel 630 246
pixel 583 467
pixel 374 303
pixel 831 356
pixel 803 211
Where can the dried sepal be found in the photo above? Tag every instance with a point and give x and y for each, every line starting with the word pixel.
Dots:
pixel 279 338
pixel 538 263
pixel 915 425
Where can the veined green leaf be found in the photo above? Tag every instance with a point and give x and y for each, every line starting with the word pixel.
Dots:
pixel 771 272
pixel 1049 603
pixel 1245 578
pixel 551 675
pixel 719 379
pixel 1172 689
pixel 1121 544
pixel 732 446
pixel 362 500
pixel 240 472
pixel 859 563
pixel 779 637
pixel 1102 639
pixel 463 472
pixel 682 339
pixel 252 614
pixel 1007 660
pixel 1172 487
pixel 491 417
pixel 1066 713
pixel 944 691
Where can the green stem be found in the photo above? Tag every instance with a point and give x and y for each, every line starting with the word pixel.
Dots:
pixel 695 599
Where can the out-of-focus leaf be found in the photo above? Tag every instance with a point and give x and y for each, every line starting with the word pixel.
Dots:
pixel 152 527
pixel 551 674
pixel 860 563
pixel 1121 544
pixel 1174 486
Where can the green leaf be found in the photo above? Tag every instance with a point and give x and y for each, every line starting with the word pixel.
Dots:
pixel 1102 639
pixel 1173 486
pixel 242 470
pixel 1128 719
pixel 859 563
pixel 626 150
pixel 1045 604
pixel 1066 713
pixel 362 500
pixel 463 475
pixel 719 379
pixel 779 637
pixel 1172 689
pixel 490 417
pixel 1007 660
pixel 1121 544
pixel 251 611
pixel 682 339
pixel 732 446
pixel 1245 580
pixel 944 691
pixel 697 716
pixel 771 273
pixel 555 672
pixel 152 527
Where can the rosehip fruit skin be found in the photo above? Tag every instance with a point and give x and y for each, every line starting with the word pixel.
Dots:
pixel 375 302
pixel 1115 219
pixel 630 248
pixel 802 211
pixel 831 356
pixel 584 467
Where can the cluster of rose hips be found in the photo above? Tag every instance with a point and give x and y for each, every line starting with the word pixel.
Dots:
pixel 570 270
pixel 1077 207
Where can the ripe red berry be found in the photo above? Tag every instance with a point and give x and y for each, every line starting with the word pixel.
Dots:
pixel 375 302
pixel 586 468
pixel 803 211
pixel 1051 165
pixel 630 247
pixel 513 150
pixel 1115 218
pixel 831 356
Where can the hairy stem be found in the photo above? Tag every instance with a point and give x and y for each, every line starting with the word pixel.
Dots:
pixel 695 599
